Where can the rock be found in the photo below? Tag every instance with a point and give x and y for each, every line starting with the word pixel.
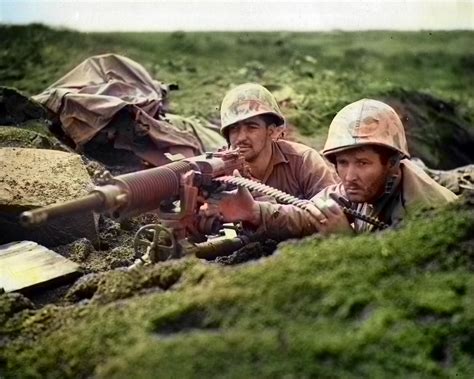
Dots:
pixel 16 108
pixel 34 178
pixel 11 303
pixel 84 288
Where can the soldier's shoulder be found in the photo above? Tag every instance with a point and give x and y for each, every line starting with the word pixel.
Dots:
pixel 294 148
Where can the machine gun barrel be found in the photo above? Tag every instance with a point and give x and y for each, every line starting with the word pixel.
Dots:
pixel 127 195
pixel 90 202
pixel 142 191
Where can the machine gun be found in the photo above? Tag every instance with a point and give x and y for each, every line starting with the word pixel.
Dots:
pixel 181 231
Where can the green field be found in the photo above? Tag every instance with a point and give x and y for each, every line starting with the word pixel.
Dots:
pixel 396 304
pixel 325 70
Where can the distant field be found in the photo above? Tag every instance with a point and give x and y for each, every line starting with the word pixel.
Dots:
pixel 324 70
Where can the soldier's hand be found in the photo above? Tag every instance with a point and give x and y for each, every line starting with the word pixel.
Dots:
pixel 233 206
pixel 328 217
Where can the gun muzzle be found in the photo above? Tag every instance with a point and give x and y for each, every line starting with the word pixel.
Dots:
pixel 90 202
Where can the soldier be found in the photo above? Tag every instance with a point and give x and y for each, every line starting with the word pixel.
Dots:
pixel 252 122
pixel 367 144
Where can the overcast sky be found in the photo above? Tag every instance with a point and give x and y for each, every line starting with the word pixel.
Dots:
pixel 167 15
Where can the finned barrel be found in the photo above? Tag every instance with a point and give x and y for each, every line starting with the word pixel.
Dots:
pixel 146 189
pixel 127 195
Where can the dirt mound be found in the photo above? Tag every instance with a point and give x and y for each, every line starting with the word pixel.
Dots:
pixel 16 108
pixel 25 123
pixel 437 132
pixel 352 303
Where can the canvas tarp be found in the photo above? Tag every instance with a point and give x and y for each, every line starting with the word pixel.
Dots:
pixel 94 93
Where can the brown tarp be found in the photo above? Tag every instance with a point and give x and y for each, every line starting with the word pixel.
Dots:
pixel 88 98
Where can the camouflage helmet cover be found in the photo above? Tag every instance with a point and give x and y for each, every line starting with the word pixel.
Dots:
pixel 365 122
pixel 245 101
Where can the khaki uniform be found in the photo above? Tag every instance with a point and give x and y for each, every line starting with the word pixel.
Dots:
pixel 298 170
pixel 415 189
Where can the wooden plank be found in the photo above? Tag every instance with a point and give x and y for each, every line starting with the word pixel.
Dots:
pixel 26 264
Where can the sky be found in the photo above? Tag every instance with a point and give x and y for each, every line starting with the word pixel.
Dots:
pixel 237 15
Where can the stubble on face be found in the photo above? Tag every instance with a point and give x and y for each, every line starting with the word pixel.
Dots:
pixel 362 173
pixel 251 137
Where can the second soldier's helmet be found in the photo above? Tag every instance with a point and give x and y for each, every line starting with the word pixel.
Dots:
pixel 366 122
pixel 245 101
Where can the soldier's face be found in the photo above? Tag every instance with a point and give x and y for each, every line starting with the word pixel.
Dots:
pixel 251 136
pixel 362 173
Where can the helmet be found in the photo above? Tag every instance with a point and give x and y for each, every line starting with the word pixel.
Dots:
pixel 366 122
pixel 245 101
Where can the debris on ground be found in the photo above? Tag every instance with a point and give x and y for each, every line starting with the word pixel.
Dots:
pixel 25 265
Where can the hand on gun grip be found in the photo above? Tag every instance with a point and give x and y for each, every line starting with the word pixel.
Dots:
pixel 328 217
pixel 232 206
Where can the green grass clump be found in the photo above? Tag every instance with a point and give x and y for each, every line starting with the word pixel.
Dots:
pixel 27 137
pixel 394 304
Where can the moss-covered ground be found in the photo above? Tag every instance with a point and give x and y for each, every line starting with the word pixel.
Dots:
pixel 399 304
pixel 396 304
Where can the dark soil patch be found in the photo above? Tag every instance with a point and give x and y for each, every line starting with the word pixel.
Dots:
pixel 437 132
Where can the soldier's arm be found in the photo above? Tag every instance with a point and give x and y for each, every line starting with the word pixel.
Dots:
pixel 274 220
pixel 279 221
pixel 323 216
pixel 282 222
pixel 316 174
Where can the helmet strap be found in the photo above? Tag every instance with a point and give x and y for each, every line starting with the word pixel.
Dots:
pixel 383 205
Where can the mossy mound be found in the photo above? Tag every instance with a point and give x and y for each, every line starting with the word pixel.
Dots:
pixel 396 304
pixel 25 123
pixel 12 303
pixel 25 138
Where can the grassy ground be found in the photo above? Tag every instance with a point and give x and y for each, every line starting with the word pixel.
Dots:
pixel 397 304
pixel 325 70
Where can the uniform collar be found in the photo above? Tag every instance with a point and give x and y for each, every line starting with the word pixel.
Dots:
pixel 277 158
